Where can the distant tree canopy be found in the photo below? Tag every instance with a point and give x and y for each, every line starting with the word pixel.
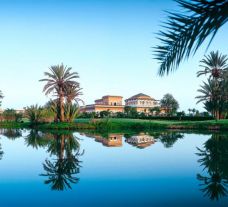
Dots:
pixel 185 32
pixel 169 103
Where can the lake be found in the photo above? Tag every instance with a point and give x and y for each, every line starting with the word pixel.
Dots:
pixel 161 168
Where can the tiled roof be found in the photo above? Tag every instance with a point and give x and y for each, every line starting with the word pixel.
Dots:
pixel 140 96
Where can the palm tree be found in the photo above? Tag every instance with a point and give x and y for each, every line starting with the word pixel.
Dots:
pixel 186 32
pixel 72 93
pixel 211 96
pixel 214 64
pixel 1 97
pixel 59 79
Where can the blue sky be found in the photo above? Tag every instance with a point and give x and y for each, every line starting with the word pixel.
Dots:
pixel 107 42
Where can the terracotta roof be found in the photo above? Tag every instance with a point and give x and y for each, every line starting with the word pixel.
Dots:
pixel 140 96
pixel 112 96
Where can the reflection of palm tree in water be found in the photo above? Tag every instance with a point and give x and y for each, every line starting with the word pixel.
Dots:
pixel 61 172
pixel 1 152
pixel 36 139
pixel 214 158
pixel 168 139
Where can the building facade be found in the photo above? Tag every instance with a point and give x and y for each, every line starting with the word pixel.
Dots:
pixel 106 103
pixel 142 102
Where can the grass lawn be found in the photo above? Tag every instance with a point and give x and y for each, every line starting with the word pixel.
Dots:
pixel 123 124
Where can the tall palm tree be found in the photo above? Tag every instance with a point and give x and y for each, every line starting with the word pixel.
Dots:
pixel 59 79
pixel 214 64
pixel 187 31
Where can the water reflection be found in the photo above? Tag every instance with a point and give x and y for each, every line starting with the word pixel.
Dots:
pixel 11 133
pixel 214 159
pixel 141 140
pixel 61 172
pixel 62 167
pixel 36 139
pixel 1 152
pixel 168 139
pixel 107 139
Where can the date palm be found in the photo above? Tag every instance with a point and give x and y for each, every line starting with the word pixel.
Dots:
pixel 58 80
pixel 187 31
pixel 211 93
pixel 72 93
pixel 214 64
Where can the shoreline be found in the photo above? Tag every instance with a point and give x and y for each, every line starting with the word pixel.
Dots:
pixel 123 124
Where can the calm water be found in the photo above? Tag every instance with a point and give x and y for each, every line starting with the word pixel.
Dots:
pixel 113 169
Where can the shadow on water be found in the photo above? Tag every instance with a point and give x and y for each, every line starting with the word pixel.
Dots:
pixel 214 160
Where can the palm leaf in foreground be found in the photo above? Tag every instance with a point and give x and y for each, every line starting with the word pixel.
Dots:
pixel 186 33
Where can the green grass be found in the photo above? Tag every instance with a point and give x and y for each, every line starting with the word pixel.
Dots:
pixel 115 123
pixel 123 124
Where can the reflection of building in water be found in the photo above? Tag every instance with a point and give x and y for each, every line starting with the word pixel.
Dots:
pixel 113 140
pixel 141 140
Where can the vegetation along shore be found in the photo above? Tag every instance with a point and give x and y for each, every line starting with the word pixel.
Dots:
pixel 122 124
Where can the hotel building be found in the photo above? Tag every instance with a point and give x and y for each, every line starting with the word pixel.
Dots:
pixel 142 102
pixel 106 103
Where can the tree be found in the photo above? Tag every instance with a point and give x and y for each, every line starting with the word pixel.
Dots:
pixel 214 64
pixel 104 114
pixel 9 115
pixel 72 93
pixel 169 103
pixel 34 113
pixel 1 97
pixel 155 110
pixel 186 32
pixel 215 91
pixel 59 79
pixel 211 97
pixel 127 110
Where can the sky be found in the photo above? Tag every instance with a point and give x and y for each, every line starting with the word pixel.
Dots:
pixel 108 42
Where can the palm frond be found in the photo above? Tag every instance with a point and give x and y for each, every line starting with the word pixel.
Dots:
pixel 186 33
